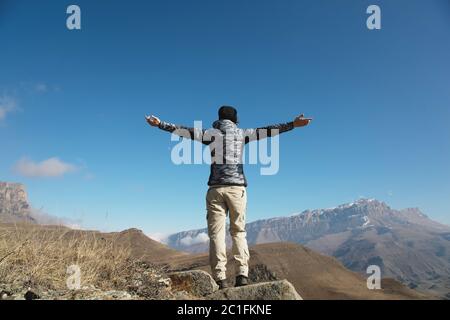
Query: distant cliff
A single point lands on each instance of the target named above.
(14, 206)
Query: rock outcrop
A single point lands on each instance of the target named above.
(200, 284)
(185, 285)
(197, 282)
(14, 206)
(274, 290)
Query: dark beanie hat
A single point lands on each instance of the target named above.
(228, 113)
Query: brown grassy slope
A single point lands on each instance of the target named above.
(315, 276)
(38, 256)
(41, 254)
(134, 240)
(142, 247)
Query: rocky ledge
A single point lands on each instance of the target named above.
(186, 285)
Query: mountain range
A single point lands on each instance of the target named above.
(323, 253)
(314, 276)
(405, 244)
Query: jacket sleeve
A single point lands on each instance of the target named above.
(267, 132)
(185, 132)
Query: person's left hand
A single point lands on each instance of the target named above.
(153, 121)
(301, 121)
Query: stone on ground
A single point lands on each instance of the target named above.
(196, 282)
(274, 290)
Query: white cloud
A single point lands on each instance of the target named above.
(7, 105)
(44, 218)
(160, 237)
(200, 238)
(52, 167)
(41, 87)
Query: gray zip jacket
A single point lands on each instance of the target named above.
(226, 142)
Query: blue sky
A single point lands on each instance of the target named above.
(380, 100)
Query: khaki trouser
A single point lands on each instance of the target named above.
(219, 201)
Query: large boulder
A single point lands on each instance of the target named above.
(274, 290)
(196, 282)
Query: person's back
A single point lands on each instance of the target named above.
(227, 184)
(226, 155)
(227, 164)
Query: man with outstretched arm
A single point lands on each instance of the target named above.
(227, 184)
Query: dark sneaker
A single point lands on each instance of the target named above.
(222, 284)
(241, 281)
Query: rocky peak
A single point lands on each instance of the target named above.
(357, 212)
(14, 206)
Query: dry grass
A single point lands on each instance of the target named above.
(36, 256)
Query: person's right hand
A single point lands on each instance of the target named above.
(301, 121)
(153, 121)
